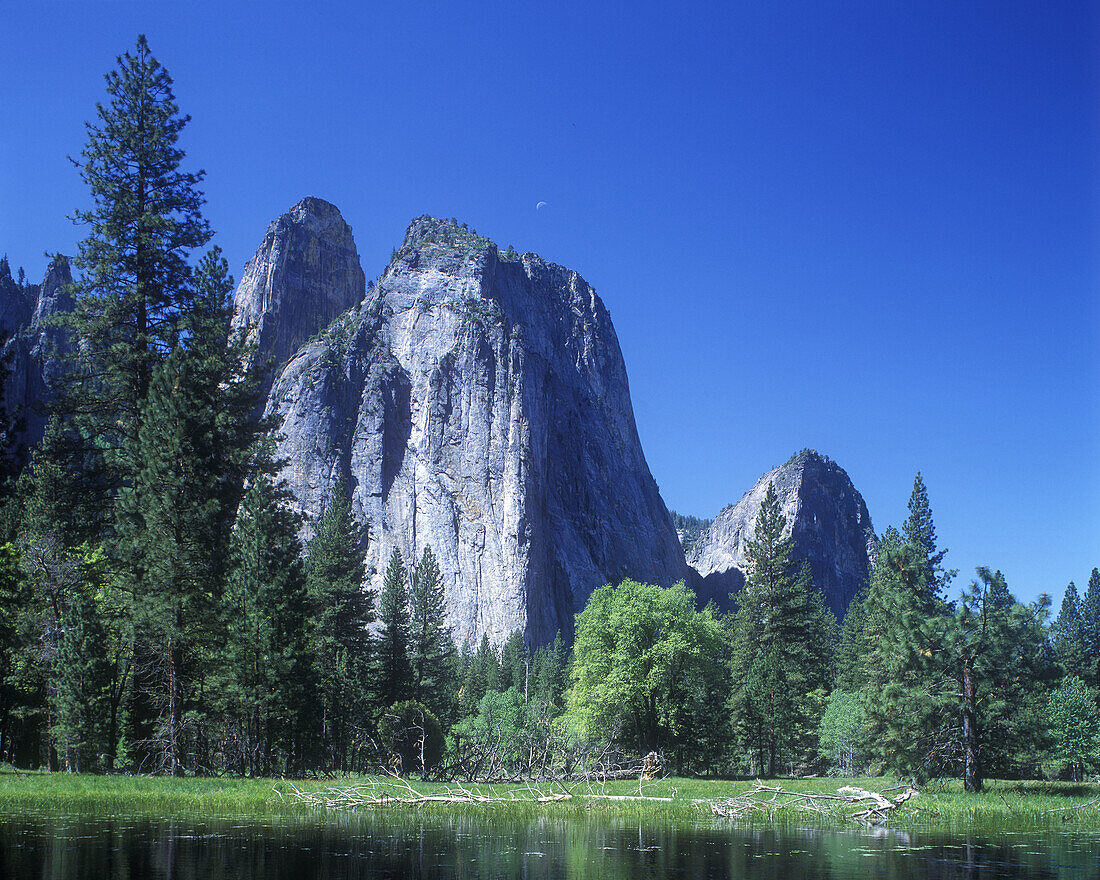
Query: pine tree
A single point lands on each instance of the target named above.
(909, 726)
(134, 447)
(395, 674)
(271, 685)
(343, 613)
(979, 647)
(920, 532)
(145, 220)
(513, 663)
(197, 440)
(81, 676)
(431, 647)
(1069, 635)
(548, 672)
(852, 646)
(782, 648)
(1090, 620)
(482, 675)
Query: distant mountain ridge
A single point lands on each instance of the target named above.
(475, 401)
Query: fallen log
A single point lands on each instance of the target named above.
(848, 804)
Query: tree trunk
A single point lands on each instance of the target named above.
(972, 779)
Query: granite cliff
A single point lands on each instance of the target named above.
(476, 402)
(305, 273)
(30, 344)
(826, 518)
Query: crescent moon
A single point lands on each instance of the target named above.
(539, 205)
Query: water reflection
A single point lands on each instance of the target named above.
(409, 845)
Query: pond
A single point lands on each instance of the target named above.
(391, 844)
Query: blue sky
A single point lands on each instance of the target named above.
(869, 228)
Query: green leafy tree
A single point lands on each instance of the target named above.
(783, 638)
(395, 673)
(15, 598)
(1073, 718)
(641, 656)
(343, 612)
(842, 733)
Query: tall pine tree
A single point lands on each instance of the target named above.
(145, 220)
(271, 680)
(1069, 635)
(1090, 617)
(343, 611)
(783, 639)
(907, 692)
(431, 646)
(395, 673)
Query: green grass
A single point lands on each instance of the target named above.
(1003, 806)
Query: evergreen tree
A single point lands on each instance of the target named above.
(343, 612)
(783, 638)
(514, 664)
(910, 729)
(1069, 635)
(548, 672)
(197, 439)
(270, 691)
(431, 647)
(979, 647)
(81, 675)
(920, 532)
(1090, 624)
(395, 674)
(1013, 733)
(852, 647)
(480, 676)
(145, 220)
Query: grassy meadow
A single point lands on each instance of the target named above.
(940, 805)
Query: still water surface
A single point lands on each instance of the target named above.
(373, 845)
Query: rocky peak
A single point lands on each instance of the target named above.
(826, 518)
(305, 273)
(55, 293)
(477, 402)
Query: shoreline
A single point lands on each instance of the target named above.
(940, 805)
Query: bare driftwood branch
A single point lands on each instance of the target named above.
(1083, 806)
(849, 803)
